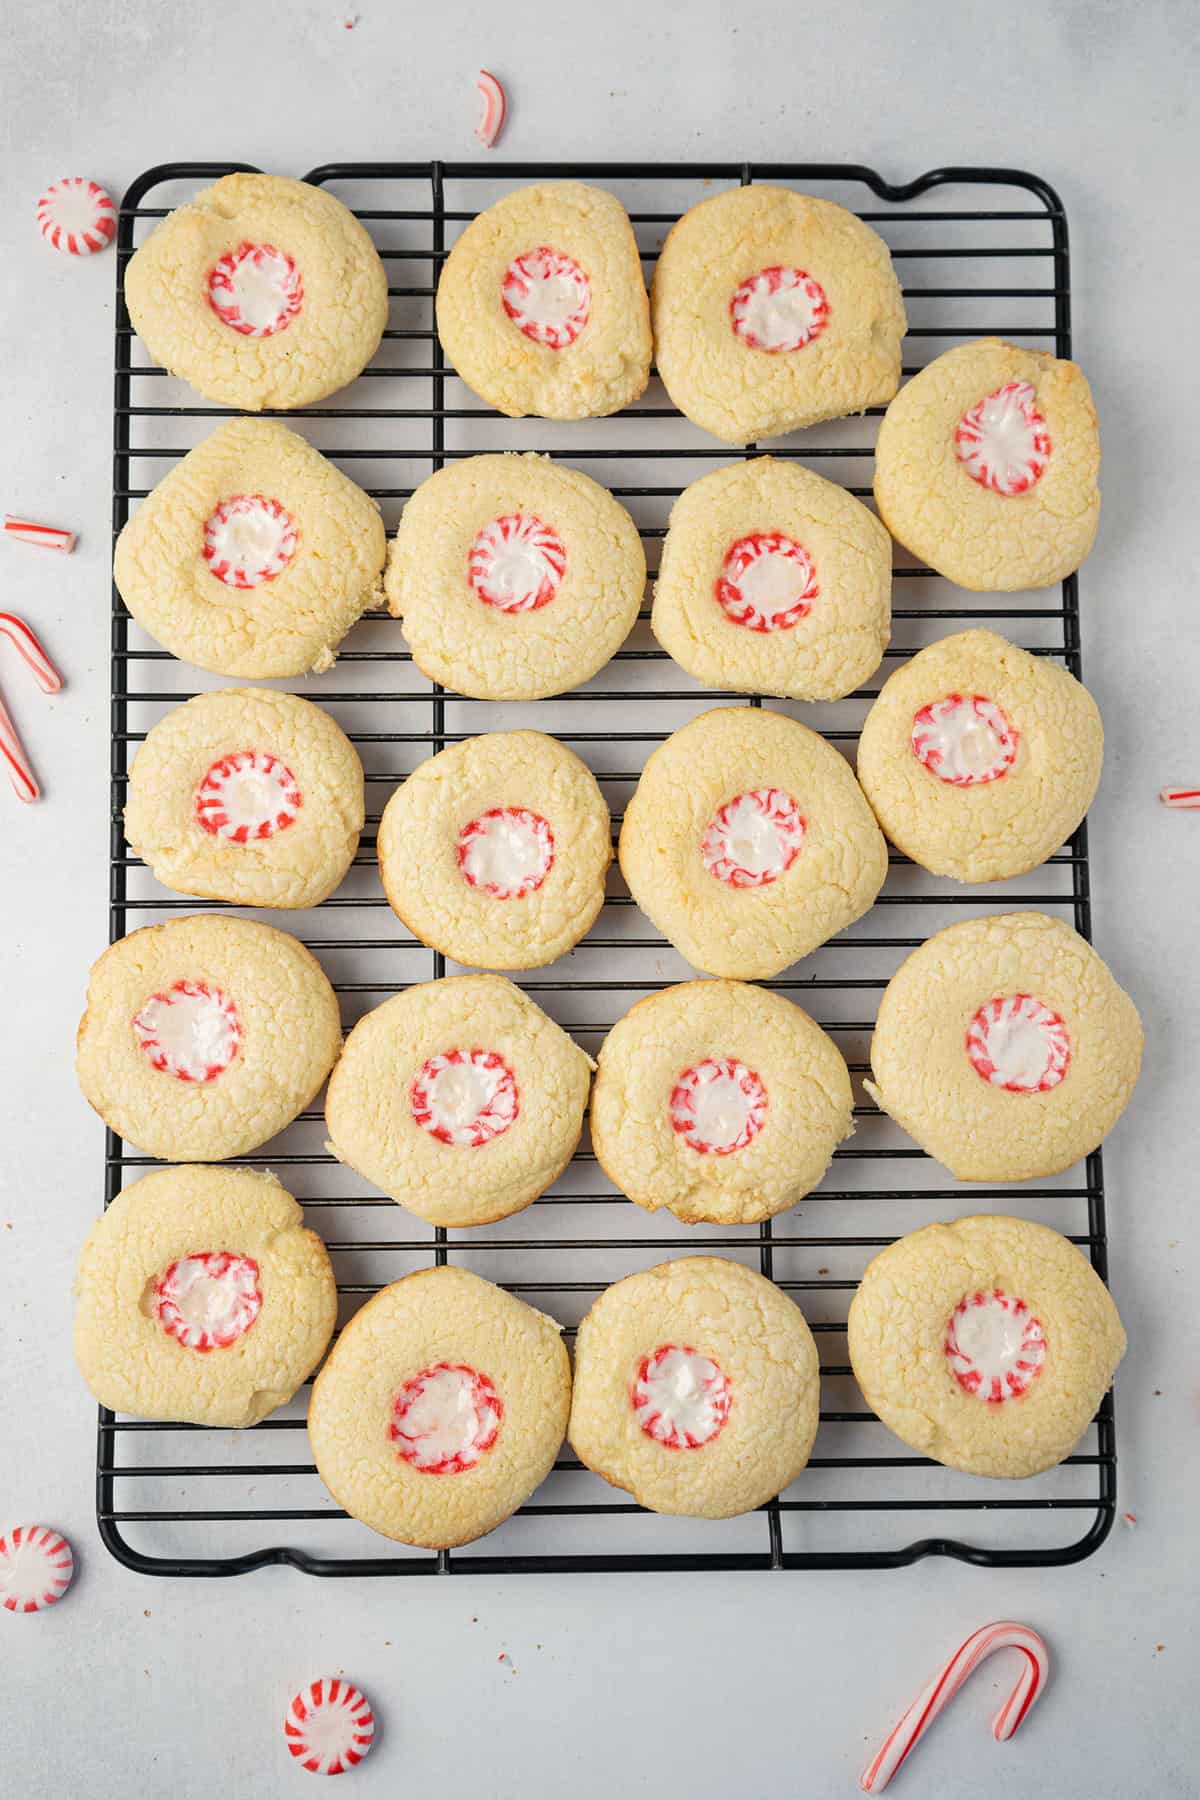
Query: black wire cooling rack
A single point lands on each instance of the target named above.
(979, 251)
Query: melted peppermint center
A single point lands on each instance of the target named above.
(256, 290)
(547, 296)
(754, 838)
(965, 739)
(446, 1419)
(994, 1345)
(209, 1300)
(249, 539)
(1002, 441)
(767, 582)
(191, 1032)
(507, 852)
(465, 1097)
(681, 1399)
(1017, 1043)
(718, 1106)
(247, 797)
(779, 310)
(517, 563)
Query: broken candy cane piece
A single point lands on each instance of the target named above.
(1181, 798)
(50, 537)
(491, 119)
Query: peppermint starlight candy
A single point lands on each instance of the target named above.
(36, 1566)
(329, 1726)
(77, 216)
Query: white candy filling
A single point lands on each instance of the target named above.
(681, 1398)
(964, 739)
(995, 1346)
(446, 1419)
(192, 1032)
(507, 852)
(779, 309)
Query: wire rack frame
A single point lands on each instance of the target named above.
(1033, 236)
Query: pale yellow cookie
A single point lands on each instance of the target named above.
(247, 795)
(459, 1098)
(205, 1036)
(773, 310)
(542, 308)
(261, 291)
(986, 1344)
(720, 1101)
(774, 581)
(748, 843)
(986, 467)
(1005, 1047)
(495, 851)
(515, 578)
(979, 760)
(254, 556)
(202, 1298)
(696, 1388)
(441, 1408)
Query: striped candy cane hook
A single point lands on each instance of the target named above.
(1004, 1635)
(12, 752)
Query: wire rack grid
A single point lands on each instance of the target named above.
(979, 252)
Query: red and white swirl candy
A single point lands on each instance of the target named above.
(36, 1566)
(77, 216)
(329, 1727)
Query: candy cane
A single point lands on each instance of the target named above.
(48, 679)
(19, 771)
(50, 537)
(1180, 797)
(31, 653)
(491, 119)
(1004, 1635)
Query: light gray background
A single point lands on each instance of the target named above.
(728, 1685)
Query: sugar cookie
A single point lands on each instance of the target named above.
(696, 1388)
(986, 467)
(441, 1408)
(542, 308)
(495, 850)
(202, 1298)
(748, 843)
(205, 1036)
(1005, 1047)
(773, 310)
(247, 795)
(254, 556)
(980, 760)
(720, 1101)
(260, 292)
(515, 578)
(460, 1098)
(986, 1344)
(774, 581)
